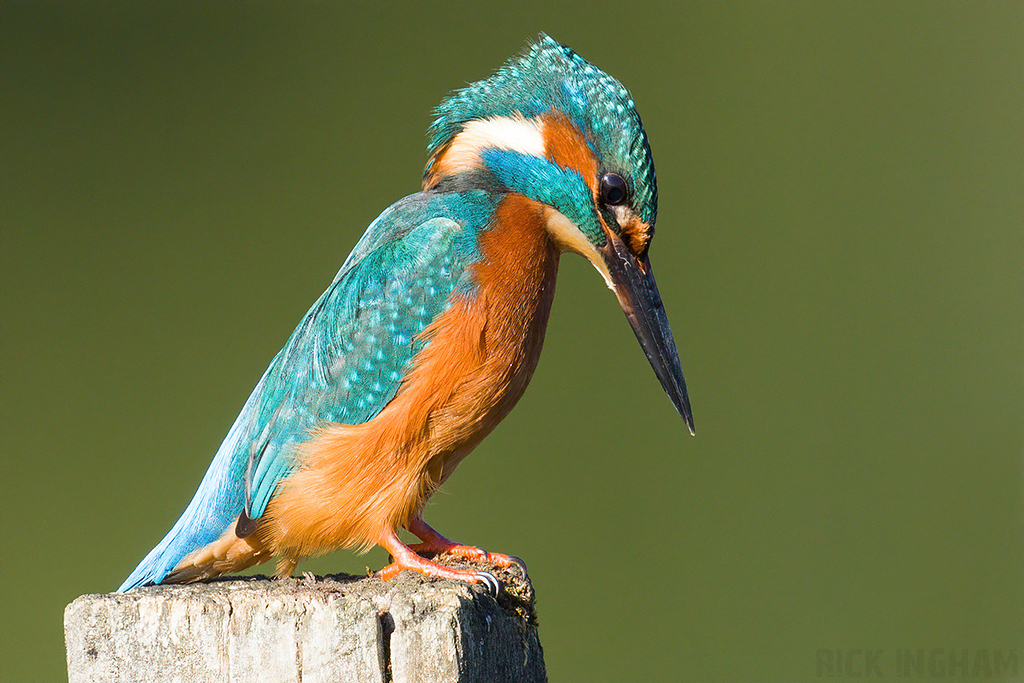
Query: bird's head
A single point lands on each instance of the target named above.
(558, 130)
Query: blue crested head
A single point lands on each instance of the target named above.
(551, 79)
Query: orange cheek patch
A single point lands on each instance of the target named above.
(566, 146)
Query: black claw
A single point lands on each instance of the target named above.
(519, 561)
(488, 580)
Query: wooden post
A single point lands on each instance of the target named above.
(338, 629)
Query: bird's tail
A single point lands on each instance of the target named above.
(208, 519)
(212, 512)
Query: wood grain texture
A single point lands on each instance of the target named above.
(334, 629)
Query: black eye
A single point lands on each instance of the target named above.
(613, 189)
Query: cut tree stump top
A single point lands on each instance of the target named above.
(338, 629)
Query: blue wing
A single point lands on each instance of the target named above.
(343, 363)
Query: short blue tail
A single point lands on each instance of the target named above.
(218, 501)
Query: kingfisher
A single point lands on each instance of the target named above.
(431, 330)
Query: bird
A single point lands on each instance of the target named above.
(431, 330)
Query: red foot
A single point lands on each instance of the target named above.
(427, 567)
(406, 557)
(467, 551)
(435, 544)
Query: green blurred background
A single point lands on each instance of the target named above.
(840, 248)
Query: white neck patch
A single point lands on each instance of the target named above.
(513, 133)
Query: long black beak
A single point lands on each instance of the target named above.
(638, 295)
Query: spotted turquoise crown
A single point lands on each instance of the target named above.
(550, 76)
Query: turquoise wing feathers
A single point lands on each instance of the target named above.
(347, 358)
(343, 363)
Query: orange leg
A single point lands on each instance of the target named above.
(435, 544)
(405, 558)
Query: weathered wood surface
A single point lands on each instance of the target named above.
(337, 629)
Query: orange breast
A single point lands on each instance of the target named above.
(358, 481)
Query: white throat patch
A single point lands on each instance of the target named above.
(568, 237)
